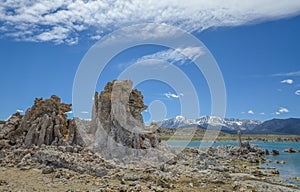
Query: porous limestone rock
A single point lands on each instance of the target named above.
(44, 123)
(10, 126)
(117, 110)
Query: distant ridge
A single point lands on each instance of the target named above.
(279, 126)
(231, 125)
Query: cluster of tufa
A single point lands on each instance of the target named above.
(116, 115)
(44, 123)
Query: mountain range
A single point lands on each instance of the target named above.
(231, 125)
(279, 126)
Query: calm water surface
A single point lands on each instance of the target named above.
(289, 170)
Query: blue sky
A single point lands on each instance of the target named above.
(257, 47)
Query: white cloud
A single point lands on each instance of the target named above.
(251, 112)
(61, 21)
(172, 95)
(262, 113)
(84, 112)
(95, 37)
(20, 110)
(69, 112)
(288, 81)
(55, 34)
(179, 55)
(283, 110)
(289, 74)
(297, 92)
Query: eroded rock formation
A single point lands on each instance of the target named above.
(44, 123)
(118, 111)
(116, 117)
(10, 128)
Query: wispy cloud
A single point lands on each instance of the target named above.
(65, 21)
(179, 56)
(172, 95)
(84, 112)
(297, 92)
(251, 112)
(262, 113)
(282, 110)
(20, 110)
(289, 74)
(287, 81)
(69, 112)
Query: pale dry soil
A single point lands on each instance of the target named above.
(14, 179)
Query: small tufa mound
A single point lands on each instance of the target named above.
(44, 123)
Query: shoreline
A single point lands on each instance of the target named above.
(280, 161)
(223, 168)
(198, 134)
(278, 139)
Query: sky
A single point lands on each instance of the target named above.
(256, 45)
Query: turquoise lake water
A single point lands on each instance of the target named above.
(289, 170)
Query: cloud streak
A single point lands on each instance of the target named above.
(282, 110)
(172, 95)
(289, 74)
(20, 110)
(179, 56)
(297, 92)
(287, 81)
(61, 21)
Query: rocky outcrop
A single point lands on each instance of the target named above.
(44, 123)
(275, 152)
(290, 150)
(117, 110)
(116, 118)
(11, 126)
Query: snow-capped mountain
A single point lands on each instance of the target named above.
(227, 124)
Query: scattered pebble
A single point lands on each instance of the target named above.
(47, 170)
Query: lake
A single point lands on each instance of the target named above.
(289, 170)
